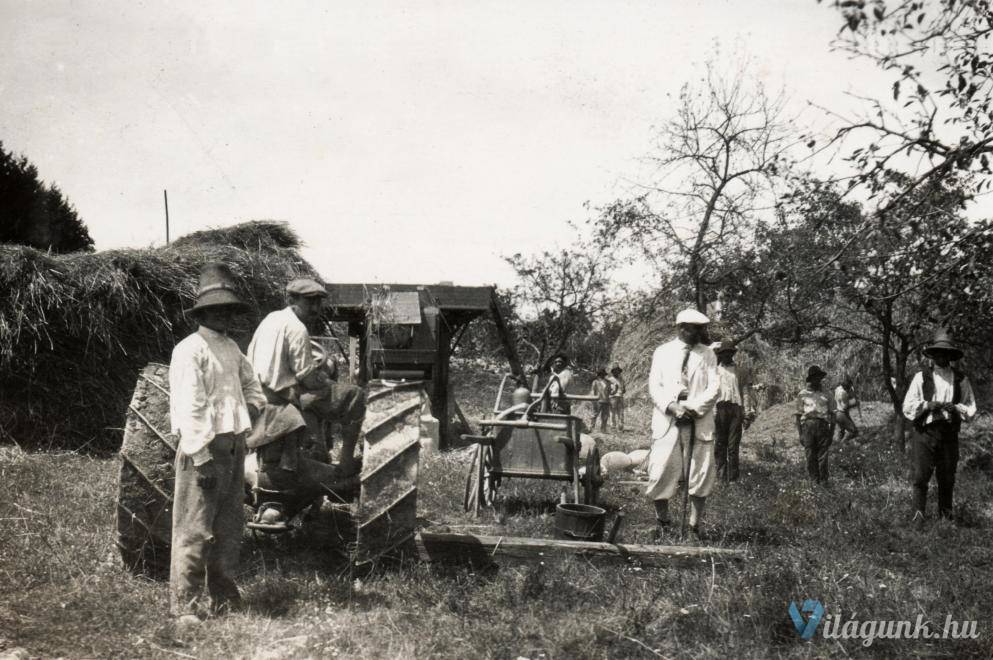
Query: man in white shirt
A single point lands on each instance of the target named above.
(733, 412)
(214, 398)
(845, 399)
(281, 356)
(684, 385)
(938, 400)
(558, 386)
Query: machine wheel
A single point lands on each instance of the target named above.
(387, 509)
(148, 454)
(593, 477)
(480, 485)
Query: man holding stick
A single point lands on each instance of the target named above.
(684, 384)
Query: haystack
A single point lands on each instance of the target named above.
(76, 329)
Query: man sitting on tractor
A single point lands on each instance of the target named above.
(286, 463)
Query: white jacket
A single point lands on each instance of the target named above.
(665, 384)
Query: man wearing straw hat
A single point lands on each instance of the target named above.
(214, 399)
(683, 384)
(938, 400)
(280, 353)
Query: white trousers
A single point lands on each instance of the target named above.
(665, 465)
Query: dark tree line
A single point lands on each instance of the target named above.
(35, 213)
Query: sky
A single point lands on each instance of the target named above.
(404, 142)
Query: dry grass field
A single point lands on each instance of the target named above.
(64, 593)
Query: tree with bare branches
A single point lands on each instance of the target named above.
(713, 168)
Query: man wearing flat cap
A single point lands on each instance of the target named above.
(683, 383)
(938, 400)
(214, 399)
(280, 353)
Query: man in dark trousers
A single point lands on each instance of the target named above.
(733, 413)
(815, 410)
(938, 400)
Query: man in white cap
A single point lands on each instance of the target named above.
(938, 400)
(214, 398)
(684, 384)
(281, 356)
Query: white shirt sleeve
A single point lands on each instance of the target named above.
(301, 361)
(913, 402)
(250, 385)
(189, 408)
(967, 406)
(661, 395)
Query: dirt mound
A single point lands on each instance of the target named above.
(76, 329)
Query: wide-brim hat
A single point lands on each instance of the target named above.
(724, 347)
(217, 289)
(815, 373)
(554, 356)
(943, 342)
(691, 317)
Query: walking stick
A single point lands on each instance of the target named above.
(686, 476)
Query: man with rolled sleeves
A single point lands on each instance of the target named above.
(733, 412)
(214, 399)
(938, 400)
(683, 384)
(281, 356)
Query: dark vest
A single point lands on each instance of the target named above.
(927, 388)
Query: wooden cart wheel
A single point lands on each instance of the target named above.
(490, 483)
(480, 485)
(593, 478)
(473, 483)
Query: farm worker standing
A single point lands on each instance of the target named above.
(617, 391)
(601, 407)
(214, 399)
(683, 384)
(938, 400)
(814, 415)
(280, 353)
(559, 364)
(733, 412)
(844, 397)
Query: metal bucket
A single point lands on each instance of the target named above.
(579, 522)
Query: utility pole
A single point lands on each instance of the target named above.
(165, 196)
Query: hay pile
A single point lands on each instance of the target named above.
(76, 329)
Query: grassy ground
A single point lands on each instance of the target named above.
(64, 593)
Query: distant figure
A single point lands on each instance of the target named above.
(815, 410)
(733, 413)
(844, 397)
(601, 407)
(560, 378)
(938, 400)
(617, 391)
(683, 384)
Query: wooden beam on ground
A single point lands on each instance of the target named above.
(480, 550)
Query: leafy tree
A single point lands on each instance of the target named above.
(940, 123)
(714, 164)
(35, 214)
(891, 288)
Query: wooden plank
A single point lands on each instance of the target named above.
(481, 550)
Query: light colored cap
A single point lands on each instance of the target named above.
(691, 317)
(306, 287)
